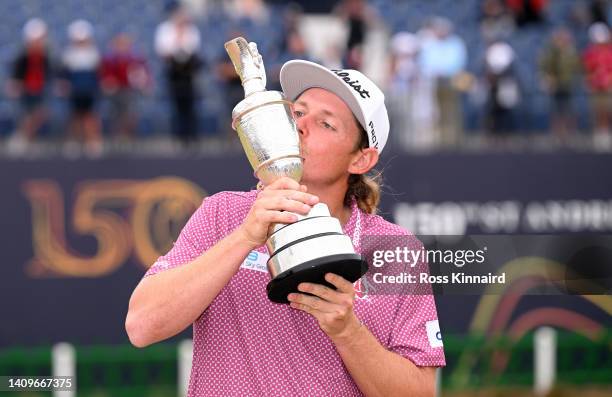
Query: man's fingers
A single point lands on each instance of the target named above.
(321, 291)
(302, 196)
(313, 302)
(342, 284)
(296, 195)
(284, 183)
(279, 217)
(288, 200)
(302, 307)
(279, 203)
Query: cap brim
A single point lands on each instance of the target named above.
(298, 75)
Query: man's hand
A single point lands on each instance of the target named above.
(376, 370)
(333, 309)
(276, 203)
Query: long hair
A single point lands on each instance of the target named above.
(365, 188)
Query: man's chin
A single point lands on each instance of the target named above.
(305, 178)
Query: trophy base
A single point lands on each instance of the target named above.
(349, 266)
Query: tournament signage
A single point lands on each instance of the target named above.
(79, 235)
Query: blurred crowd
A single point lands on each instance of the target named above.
(426, 77)
(81, 75)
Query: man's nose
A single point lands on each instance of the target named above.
(302, 126)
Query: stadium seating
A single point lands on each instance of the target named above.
(140, 18)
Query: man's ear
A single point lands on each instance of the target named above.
(363, 161)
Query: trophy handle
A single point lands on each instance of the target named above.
(248, 64)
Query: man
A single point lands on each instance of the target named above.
(326, 342)
(177, 42)
(81, 63)
(124, 76)
(443, 58)
(29, 83)
(560, 67)
(597, 61)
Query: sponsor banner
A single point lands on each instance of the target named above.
(79, 234)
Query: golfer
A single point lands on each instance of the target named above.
(327, 342)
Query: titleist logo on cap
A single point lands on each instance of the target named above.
(353, 84)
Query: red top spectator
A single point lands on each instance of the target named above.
(122, 68)
(597, 59)
(527, 11)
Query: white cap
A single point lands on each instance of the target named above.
(499, 56)
(404, 43)
(363, 97)
(80, 30)
(599, 33)
(34, 29)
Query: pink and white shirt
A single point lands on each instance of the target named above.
(245, 345)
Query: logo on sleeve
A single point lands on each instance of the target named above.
(362, 289)
(433, 333)
(256, 261)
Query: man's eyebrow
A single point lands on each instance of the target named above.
(324, 111)
(328, 113)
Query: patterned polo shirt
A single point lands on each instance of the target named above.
(245, 345)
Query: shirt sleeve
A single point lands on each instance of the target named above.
(415, 333)
(199, 234)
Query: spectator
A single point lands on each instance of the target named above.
(601, 11)
(295, 49)
(584, 14)
(559, 67)
(81, 68)
(250, 11)
(597, 61)
(359, 16)
(503, 90)
(124, 76)
(30, 80)
(410, 95)
(177, 42)
(443, 59)
(496, 22)
(527, 11)
(292, 16)
(232, 90)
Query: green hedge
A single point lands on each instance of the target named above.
(473, 363)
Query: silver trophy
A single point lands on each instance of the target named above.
(306, 250)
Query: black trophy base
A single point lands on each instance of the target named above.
(349, 266)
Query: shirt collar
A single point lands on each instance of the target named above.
(353, 226)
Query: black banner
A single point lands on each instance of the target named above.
(78, 235)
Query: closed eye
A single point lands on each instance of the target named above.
(328, 126)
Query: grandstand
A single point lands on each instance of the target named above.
(114, 16)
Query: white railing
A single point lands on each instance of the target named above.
(544, 348)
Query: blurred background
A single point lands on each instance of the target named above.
(115, 123)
